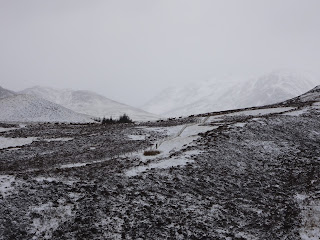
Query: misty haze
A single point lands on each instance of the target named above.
(177, 119)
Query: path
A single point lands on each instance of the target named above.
(158, 144)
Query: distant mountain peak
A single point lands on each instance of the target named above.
(273, 87)
(88, 102)
(27, 108)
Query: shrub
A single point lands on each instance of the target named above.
(125, 119)
(108, 121)
(122, 119)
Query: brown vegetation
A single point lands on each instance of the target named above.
(151, 153)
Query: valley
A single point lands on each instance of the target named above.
(240, 174)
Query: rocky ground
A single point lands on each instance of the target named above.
(247, 175)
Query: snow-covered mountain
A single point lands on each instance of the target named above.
(271, 88)
(177, 97)
(90, 103)
(4, 93)
(311, 96)
(26, 108)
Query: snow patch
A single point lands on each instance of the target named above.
(137, 137)
(52, 179)
(72, 165)
(15, 142)
(163, 164)
(48, 179)
(296, 113)
(310, 213)
(6, 184)
(217, 118)
(170, 131)
(7, 129)
(50, 217)
(259, 112)
(239, 124)
(58, 139)
(195, 130)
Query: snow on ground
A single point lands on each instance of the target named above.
(184, 137)
(312, 95)
(297, 112)
(173, 131)
(89, 103)
(260, 112)
(209, 96)
(195, 130)
(216, 118)
(48, 179)
(170, 131)
(240, 124)
(15, 142)
(175, 144)
(13, 128)
(52, 179)
(58, 139)
(5, 184)
(257, 112)
(6, 129)
(25, 108)
(316, 105)
(269, 147)
(310, 213)
(187, 134)
(137, 137)
(50, 217)
(72, 165)
(167, 163)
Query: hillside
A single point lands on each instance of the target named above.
(26, 108)
(89, 103)
(178, 97)
(311, 96)
(271, 88)
(4, 93)
(240, 174)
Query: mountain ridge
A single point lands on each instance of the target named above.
(270, 88)
(4, 93)
(27, 108)
(90, 103)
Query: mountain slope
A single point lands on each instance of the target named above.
(268, 89)
(177, 97)
(90, 103)
(311, 96)
(4, 93)
(26, 108)
(243, 174)
(272, 88)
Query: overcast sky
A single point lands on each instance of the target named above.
(130, 50)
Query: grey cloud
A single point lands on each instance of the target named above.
(130, 50)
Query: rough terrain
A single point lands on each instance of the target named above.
(242, 174)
